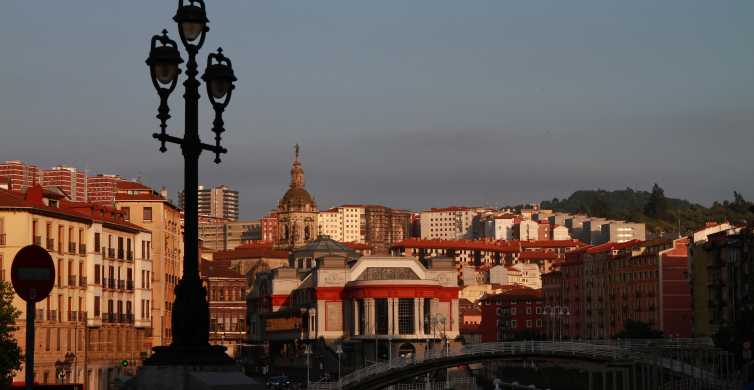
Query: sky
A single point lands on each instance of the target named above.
(410, 104)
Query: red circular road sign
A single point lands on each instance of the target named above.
(32, 273)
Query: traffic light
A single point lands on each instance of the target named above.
(124, 363)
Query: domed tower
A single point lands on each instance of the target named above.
(297, 211)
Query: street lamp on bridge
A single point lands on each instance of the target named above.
(190, 316)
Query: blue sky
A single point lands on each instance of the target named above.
(406, 103)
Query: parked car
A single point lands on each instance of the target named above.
(278, 382)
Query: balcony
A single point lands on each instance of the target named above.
(2, 239)
(110, 283)
(40, 315)
(72, 316)
(121, 285)
(72, 280)
(38, 240)
(111, 253)
(50, 244)
(72, 247)
(109, 317)
(82, 281)
(52, 315)
(82, 249)
(120, 254)
(82, 316)
(129, 284)
(129, 255)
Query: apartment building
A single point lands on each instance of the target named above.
(97, 313)
(603, 286)
(145, 207)
(450, 223)
(218, 202)
(345, 223)
(70, 180)
(20, 176)
(226, 235)
(102, 188)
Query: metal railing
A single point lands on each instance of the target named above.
(82, 249)
(82, 281)
(609, 350)
(38, 240)
(72, 280)
(2, 239)
(111, 253)
(50, 244)
(72, 247)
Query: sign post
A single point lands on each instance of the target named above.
(32, 275)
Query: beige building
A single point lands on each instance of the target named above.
(223, 236)
(344, 223)
(146, 208)
(450, 223)
(97, 313)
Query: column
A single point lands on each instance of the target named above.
(356, 330)
(389, 316)
(418, 307)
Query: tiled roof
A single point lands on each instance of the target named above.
(257, 250)
(610, 246)
(552, 244)
(537, 255)
(515, 291)
(218, 269)
(132, 185)
(497, 246)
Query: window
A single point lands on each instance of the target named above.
(513, 311)
(96, 242)
(96, 306)
(528, 323)
(539, 323)
(513, 324)
(147, 214)
(96, 273)
(406, 315)
(528, 310)
(381, 315)
(539, 310)
(362, 316)
(126, 213)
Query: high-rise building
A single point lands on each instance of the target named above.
(145, 207)
(102, 188)
(216, 202)
(450, 223)
(222, 236)
(20, 176)
(70, 180)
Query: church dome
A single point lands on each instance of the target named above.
(296, 198)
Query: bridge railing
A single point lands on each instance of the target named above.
(630, 350)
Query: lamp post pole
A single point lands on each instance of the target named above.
(339, 351)
(307, 352)
(190, 316)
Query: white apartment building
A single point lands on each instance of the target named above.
(500, 227)
(520, 273)
(527, 230)
(345, 223)
(560, 233)
(451, 223)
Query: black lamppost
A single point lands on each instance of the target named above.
(190, 317)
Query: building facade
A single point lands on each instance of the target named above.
(145, 207)
(70, 180)
(603, 286)
(514, 313)
(226, 295)
(450, 223)
(217, 202)
(20, 176)
(225, 235)
(102, 188)
(97, 314)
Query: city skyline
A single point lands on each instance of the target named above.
(507, 102)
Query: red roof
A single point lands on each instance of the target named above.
(552, 244)
(218, 269)
(255, 250)
(357, 246)
(537, 255)
(517, 291)
(451, 208)
(495, 246)
(611, 246)
(132, 185)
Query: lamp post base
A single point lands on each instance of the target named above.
(208, 355)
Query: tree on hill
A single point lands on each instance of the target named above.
(10, 353)
(657, 205)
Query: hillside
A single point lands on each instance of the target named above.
(661, 214)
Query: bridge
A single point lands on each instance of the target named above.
(633, 364)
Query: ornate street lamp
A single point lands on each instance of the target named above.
(190, 317)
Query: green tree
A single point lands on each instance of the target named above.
(638, 330)
(10, 353)
(657, 205)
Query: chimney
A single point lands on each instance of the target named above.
(164, 192)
